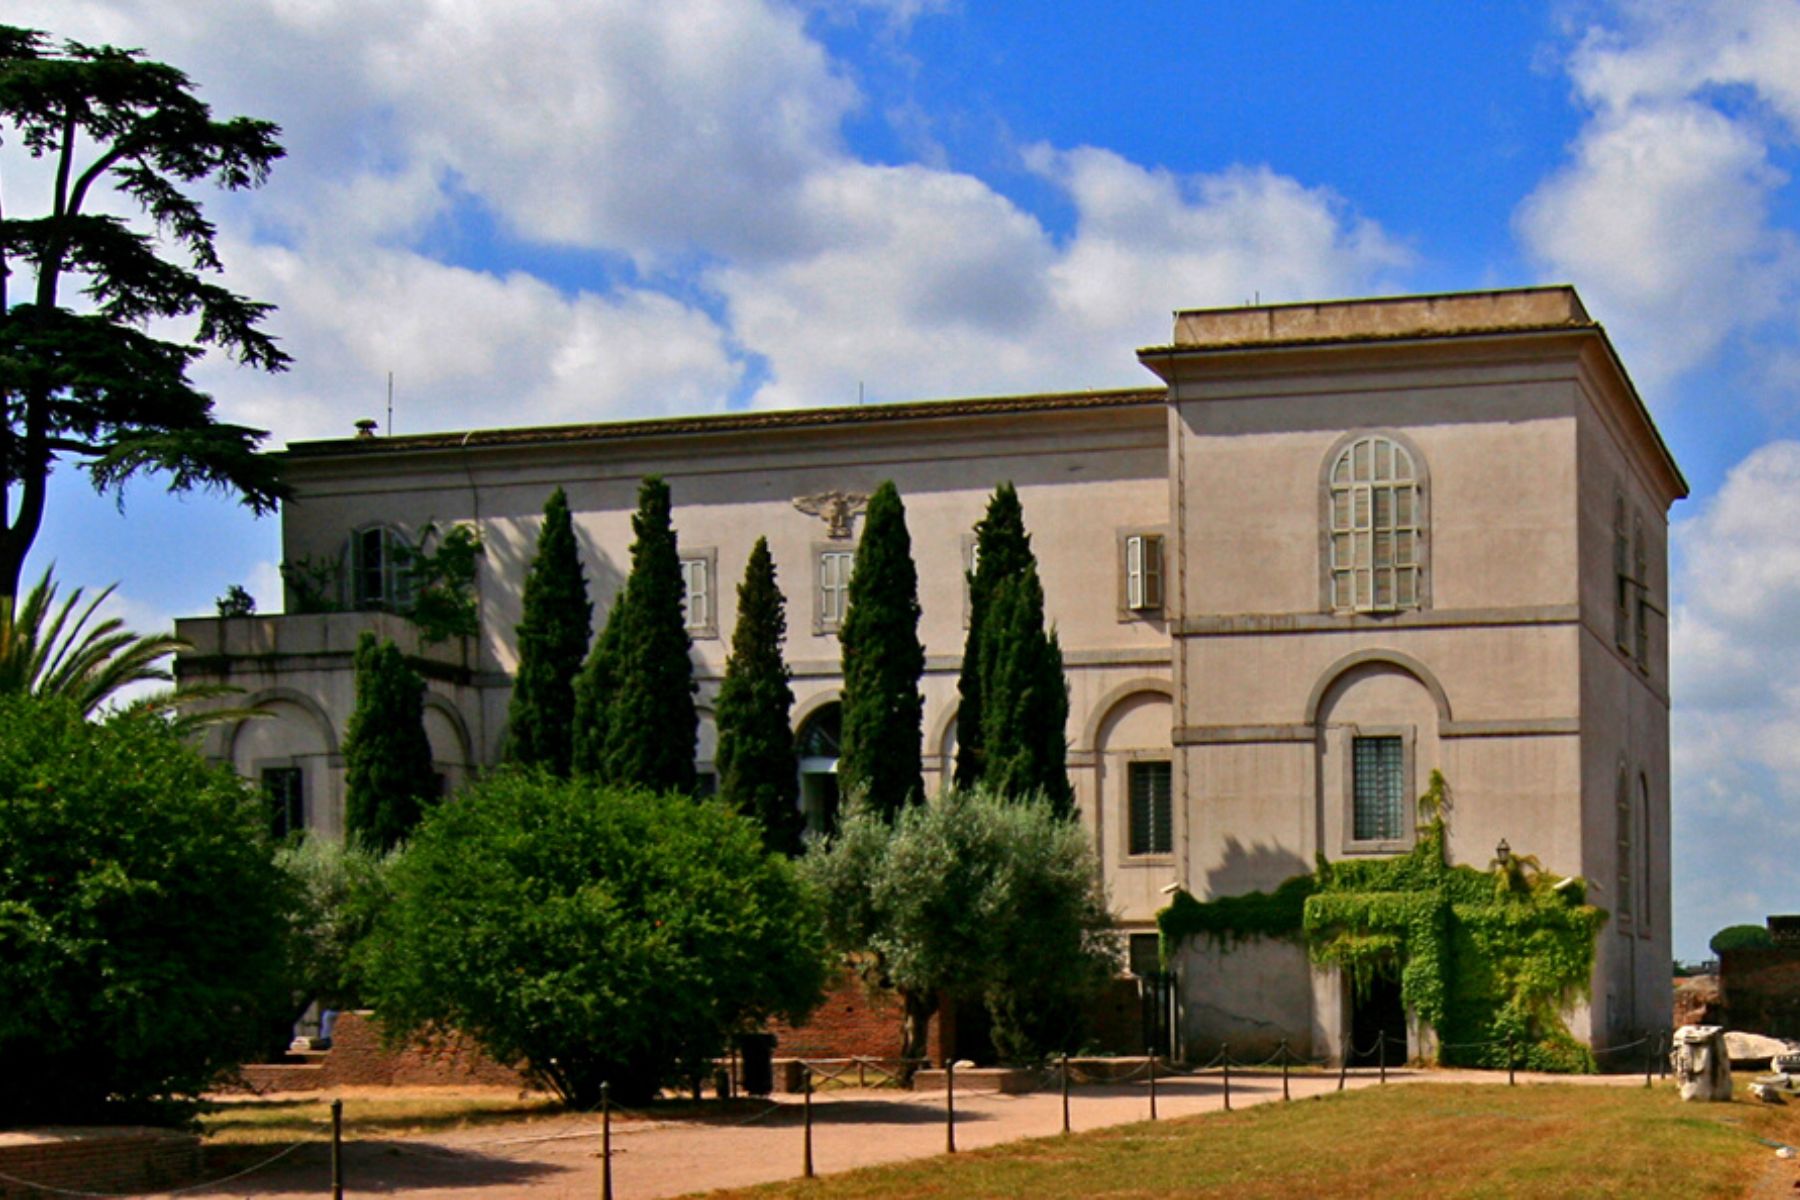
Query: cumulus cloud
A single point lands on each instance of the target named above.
(734, 250)
(1735, 668)
(1662, 213)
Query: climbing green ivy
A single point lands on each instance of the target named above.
(1489, 959)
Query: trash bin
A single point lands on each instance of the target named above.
(756, 1054)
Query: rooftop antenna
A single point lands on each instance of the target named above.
(390, 423)
(859, 392)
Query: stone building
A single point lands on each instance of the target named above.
(1338, 546)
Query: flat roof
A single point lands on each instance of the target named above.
(1383, 317)
(733, 422)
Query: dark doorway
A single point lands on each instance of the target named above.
(1377, 1013)
(816, 752)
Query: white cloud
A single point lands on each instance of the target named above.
(1735, 667)
(467, 349)
(1661, 215)
(933, 284)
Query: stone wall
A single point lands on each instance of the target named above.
(117, 1159)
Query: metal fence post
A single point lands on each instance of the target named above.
(1381, 1052)
(1225, 1058)
(806, 1090)
(1344, 1061)
(949, 1106)
(1065, 1091)
(1512, 1063)
(1649, 1059)
(606, 1141)
(1284, 1070)
(337, 1150)
(1153, 1087)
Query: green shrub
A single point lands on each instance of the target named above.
(593, 934)
(142, 919)
(339, 893)
(1740, 937)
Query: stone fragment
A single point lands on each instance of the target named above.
(1701, 1064)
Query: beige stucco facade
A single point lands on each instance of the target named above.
(1502, 663)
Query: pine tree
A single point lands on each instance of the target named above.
(756, 744)
(593, 692)
(1025, 698)
(1002, 550)
(388, 775)
(553, 636)
(651, 724)
(883, 660)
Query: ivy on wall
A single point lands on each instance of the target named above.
(1489, 959)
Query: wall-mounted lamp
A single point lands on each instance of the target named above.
(1503, 852)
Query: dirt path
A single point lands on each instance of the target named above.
(853, 1128)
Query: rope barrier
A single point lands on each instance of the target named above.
(57, 1191)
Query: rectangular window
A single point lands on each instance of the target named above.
(1378, 770)
(286, 792)
(1146, 955)
(1640, 568)
(696, 597)
(1144, 572)
(834, 587)
(1622, 589)
(1152, 808)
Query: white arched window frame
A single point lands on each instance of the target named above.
(1375, 525)
(379, 560)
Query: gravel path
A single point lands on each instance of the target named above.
(560, 1157)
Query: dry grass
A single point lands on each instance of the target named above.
(368, 1112)
(1418, 1140)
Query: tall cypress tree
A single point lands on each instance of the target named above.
(883, 660)
(1002, 551)
(651, 723)
(388, 775)
(1025, 697)
(593, 693)
(756, 744)
(554, 630)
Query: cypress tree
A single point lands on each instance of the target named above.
(593, 693)
(651, 724)
(883, 660)
(388, 775)
(1002, 550)
(1025, 698)
(554, 630)
(756, 744)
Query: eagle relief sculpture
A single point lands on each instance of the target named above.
(838, 508)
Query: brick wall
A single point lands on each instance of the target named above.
(122, 1159)
(358, 1057)
(1761, 990)
(853, 1024)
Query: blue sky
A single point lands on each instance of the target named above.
(551, 210)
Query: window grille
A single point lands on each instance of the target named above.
(1152, 808)
(1378, 769)
(1375, 528)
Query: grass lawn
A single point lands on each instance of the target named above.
(238, 1122)
(1412, 1140)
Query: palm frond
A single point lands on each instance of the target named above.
(52, 650)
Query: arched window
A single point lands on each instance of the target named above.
(379, 578)
(1376, 515)
(1627, 852)
(816, 751)
(1644, 844)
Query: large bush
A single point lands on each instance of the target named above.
(142, 920)
(339, 892)
(594, 934)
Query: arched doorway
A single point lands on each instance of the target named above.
(816, 749)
